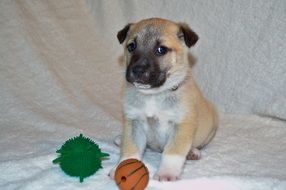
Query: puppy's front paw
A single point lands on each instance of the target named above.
(162, 175)
(170, 168)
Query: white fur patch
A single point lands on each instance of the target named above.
(170, 168)
(151, 108)
(157, 108)
(173, 162)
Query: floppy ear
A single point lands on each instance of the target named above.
(188, 35)
(122, 34)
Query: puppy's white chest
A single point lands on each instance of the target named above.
(160, 110)
(159, 123)
(151, 109)
(153, 116)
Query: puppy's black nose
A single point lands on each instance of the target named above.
(141, 68)
(138, 70)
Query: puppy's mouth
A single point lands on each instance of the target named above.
(142, 86)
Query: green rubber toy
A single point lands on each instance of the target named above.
(80, 157)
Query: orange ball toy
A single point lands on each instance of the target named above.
(131, 174)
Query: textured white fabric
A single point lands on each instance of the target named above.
(246, 154)
(59, 76)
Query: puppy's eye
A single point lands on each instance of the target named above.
(162, 50)
(131, 47)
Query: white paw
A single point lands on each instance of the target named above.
(170, 168)
(162, 175)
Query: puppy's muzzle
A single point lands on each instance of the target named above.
(144, 73)
(139, 72)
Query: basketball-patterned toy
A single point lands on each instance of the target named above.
(131, 174)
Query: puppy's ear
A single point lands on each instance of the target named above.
(122, 34)
(187, 34)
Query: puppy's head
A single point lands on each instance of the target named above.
(155, 52)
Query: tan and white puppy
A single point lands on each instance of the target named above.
(163, 107)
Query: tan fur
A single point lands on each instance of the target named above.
(195, 118)
(128, 149)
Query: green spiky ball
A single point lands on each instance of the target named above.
(80, 157)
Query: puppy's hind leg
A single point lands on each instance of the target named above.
(117, 140)
(194, 154)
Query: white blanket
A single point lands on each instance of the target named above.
(247, 153)
(59, 77)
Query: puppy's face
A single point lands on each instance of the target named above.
(156, 53)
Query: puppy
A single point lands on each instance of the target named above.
(163, 106)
